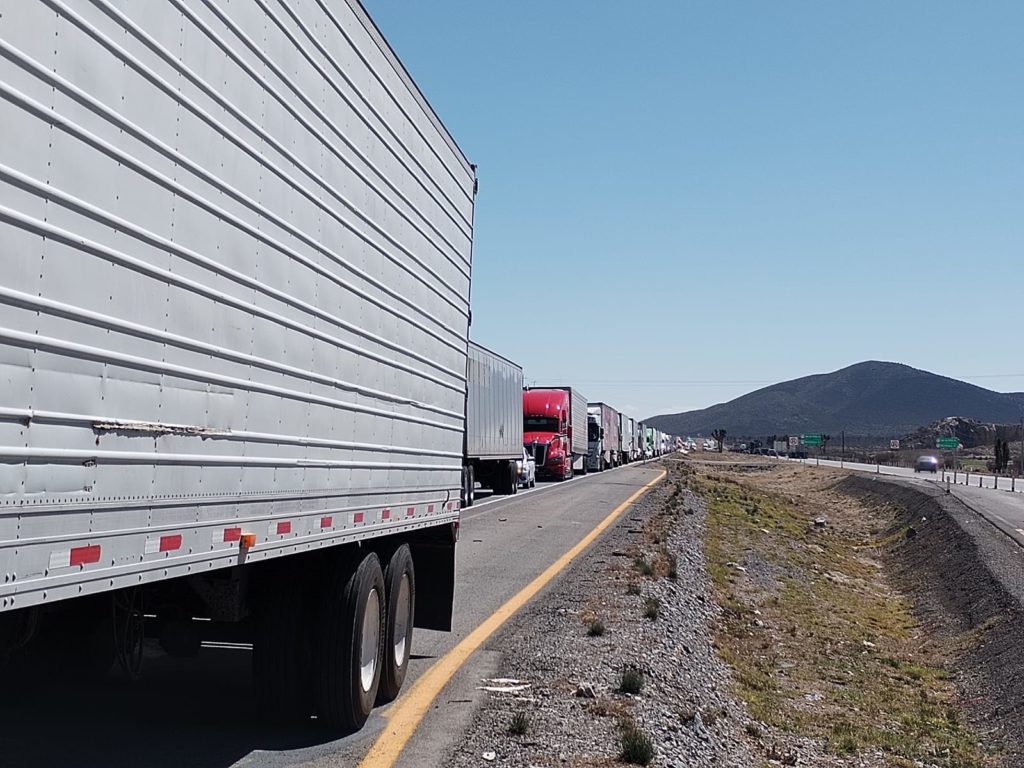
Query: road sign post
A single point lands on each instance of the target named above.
(949, 444)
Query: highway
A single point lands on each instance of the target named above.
(973, 479)
(200, 712)
(1002, 508)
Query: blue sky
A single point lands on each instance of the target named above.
(681, 201)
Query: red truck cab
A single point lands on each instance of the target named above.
(547, 431)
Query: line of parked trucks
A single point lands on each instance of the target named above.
(554, 427)
(237, 394)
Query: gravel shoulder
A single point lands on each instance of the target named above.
(640, 601)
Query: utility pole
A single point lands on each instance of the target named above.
(842, 453)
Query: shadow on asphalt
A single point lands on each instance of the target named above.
(198, 713)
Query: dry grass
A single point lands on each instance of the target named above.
(818, 642)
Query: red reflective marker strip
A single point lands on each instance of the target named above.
(409, 512)
(170, 543)
(285, 527)
(385, 514)
(232, 534)
(326, 522)
(84, 555)
(430, 509)
(357, 517)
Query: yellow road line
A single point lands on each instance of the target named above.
(406, 713)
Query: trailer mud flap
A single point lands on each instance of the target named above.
(433, 557)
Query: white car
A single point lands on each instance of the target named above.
(526, 467)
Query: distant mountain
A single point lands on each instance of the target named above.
(871, 399)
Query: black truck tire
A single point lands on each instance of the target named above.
(400, 589)
(350, 631)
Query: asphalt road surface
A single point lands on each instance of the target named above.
(986, 495)
(200, 712)
(973, 480)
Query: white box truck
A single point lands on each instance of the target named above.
(234, 312)
(494, 424)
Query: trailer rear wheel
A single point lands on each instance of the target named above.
(470, 477)
(349, 633)
(400, 586)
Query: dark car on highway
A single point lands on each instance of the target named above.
(926, 464)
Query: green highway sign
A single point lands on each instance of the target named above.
(813, 438)
(947, 443)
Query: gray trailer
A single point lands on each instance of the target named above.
(603, 437)
(234, 312)
(579, 443)
(494, 423)
(627, 430)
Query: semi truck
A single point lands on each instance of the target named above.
(234, 315)
(627, 429)
(494, 424)
(555, 430)
(602, 437)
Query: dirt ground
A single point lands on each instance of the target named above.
(822, 642)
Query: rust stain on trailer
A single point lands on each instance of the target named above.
(129, 428)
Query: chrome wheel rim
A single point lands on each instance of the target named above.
(403, 603)
(371, 641)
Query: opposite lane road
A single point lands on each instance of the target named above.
(1003, 509)
(972, 480)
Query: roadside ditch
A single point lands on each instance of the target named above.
(761, 614)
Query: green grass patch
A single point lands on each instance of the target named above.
(632, 681)
(520, 724)
(637, 747)
(652, 606)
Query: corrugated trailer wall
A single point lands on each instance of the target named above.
(579, 422)
(233, 291)
(494, 406)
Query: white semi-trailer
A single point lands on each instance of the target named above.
(494, 424)
(602, 437)
(234, 312)
(627, 437)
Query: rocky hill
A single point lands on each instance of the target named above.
(871, 399)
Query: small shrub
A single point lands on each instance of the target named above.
(637, 747)
(595, 628)
(520, 724)
(651, 607)
(643, 566)
(673, 567)
(633, 588)
(753, 730)
(632, 680)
